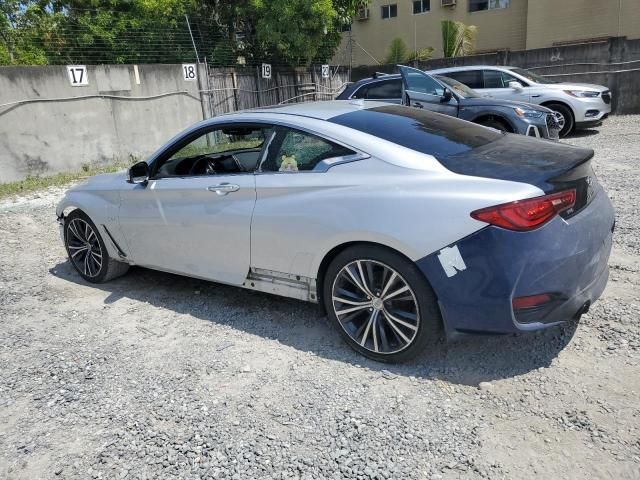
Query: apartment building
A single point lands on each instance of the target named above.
(502, 24)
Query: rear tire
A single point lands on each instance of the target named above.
(87, 251)
(381, 304)
(564, 115)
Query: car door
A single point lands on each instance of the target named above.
(423, 91)
(496, 85)
(295, 189)
(193, 217)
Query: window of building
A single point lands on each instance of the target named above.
(421, 6)
(478, 5)
(389, 11)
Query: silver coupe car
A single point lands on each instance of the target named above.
(397, 221)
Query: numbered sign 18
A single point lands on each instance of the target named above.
(266, 70)
(189, 71)
(325, 71)
(77, 75)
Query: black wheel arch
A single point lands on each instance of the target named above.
(496, 117)
(559, 102)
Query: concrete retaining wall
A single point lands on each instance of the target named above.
(49, 126)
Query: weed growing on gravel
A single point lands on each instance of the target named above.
(37, 182)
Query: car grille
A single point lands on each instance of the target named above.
(553, 127)
(606, 97)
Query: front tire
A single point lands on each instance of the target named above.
(381, 304)
(87, 251)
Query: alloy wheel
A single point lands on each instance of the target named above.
(84, 247)
(561, 120)
(375, 306)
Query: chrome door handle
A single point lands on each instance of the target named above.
(223, 188)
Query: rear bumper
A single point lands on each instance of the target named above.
(566, 258)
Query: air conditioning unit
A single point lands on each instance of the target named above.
(448, 3)
(363, 14)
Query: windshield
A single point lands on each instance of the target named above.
(534, 77)
(460, 88)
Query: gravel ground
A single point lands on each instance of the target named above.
(157, 376)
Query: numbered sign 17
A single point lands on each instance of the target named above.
(266, 70)
(77, 75)
(189, 71)
(325, 71)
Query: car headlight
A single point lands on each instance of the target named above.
(582, 93)
(526, 113)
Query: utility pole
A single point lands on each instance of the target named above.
(350, 50)
(191, 35)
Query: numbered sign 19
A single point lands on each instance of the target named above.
(325, 71)
(77, 75)
(189, 71)
(266, 70)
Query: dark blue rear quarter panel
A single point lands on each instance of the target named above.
(567, 257)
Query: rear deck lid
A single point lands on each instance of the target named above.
(470, 149)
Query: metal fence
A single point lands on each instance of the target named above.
(232, 89)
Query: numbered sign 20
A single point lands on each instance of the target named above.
(77, 75)
(189, 72)
(266, 70)
(325, 71)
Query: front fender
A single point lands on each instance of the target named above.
(102, 207)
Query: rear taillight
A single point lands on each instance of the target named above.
(523, 215)
(531, 301)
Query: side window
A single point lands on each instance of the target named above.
(493, 79)
(420, 83)
(471, 78)
(385, 90)
(296, 151)
(224, 150)
(506, 78)
(361, 92)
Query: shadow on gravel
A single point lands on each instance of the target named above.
(467, 361)
(588, 132)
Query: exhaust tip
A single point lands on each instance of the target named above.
(582, 310)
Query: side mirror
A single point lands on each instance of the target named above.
(139, 173)
(516, 85)
(446, 96)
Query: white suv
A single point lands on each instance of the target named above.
(576, 105)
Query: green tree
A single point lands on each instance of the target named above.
(293, 32)
(397, 52)
(457, 38)
(421, 55)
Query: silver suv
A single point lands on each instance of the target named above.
(576, 105)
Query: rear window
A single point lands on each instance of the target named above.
(423, 131)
